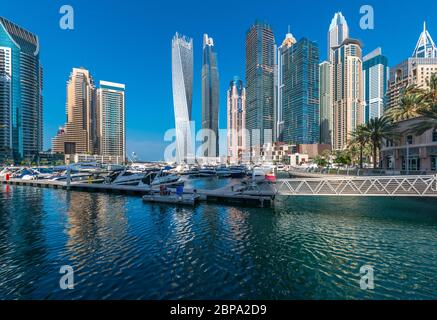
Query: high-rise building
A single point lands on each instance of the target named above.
(416, 70)
(338, 32)
(326, 119)
(21, 103)
(111, 124)
(300, 93)
(260, 69)
(236, 110)
(375, 73)
(286, 44)
(79, 135)
(210, 99)
(182, 76)
(347, 88)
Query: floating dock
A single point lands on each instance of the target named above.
(225, 195)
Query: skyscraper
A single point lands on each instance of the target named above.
(111, 124)
(210, 98)
(416, 70)
(375, 73)
(325, 103)
(300, 93)
(286, 44)
(79, 135)
(182, 75)
(338, 32)
(21, 104)
(236, 110)
(260, 69)
(347, 86)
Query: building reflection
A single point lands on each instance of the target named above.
(97, 223)
(23, 254)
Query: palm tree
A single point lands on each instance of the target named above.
(409, 105)
(361, 137)
(376, 130)
(428, 107)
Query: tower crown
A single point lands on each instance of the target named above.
(425, 47)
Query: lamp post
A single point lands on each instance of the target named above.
(408, 157)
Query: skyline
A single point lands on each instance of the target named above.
(153, 80)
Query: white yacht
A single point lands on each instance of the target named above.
(125, 177)
(162, 177)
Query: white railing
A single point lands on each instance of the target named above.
(399, 186)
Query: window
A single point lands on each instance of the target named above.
(434, 136)
(389, 143)
(409, 139)
(433, 163)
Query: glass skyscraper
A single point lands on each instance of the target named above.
(111, 120)
(260, 69)
(375, 73)
(300, 94)
(182, 76)
(325, 103)
(279, 82)
(210, 99)
(21, 104)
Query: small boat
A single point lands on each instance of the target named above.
(237, 171)
(184, 199)
(207, 172)
(223, 172)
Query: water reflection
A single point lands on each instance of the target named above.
(304, 248)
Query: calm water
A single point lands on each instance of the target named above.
(304, 248)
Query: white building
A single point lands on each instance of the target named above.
(182, 75)
(236, 111)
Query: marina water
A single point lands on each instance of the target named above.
(303, 248)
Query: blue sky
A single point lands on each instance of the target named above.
(130, 42)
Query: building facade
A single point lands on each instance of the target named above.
(300, 93)
(410, 152)
(236, 110)
(375, 73)
(280, 54)
(260, 73)
(111, 124)
(210, 99)
(182, 78)
(21, 102)
(416, 70)
(79, 135)
(347, 87)
(326, 116)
